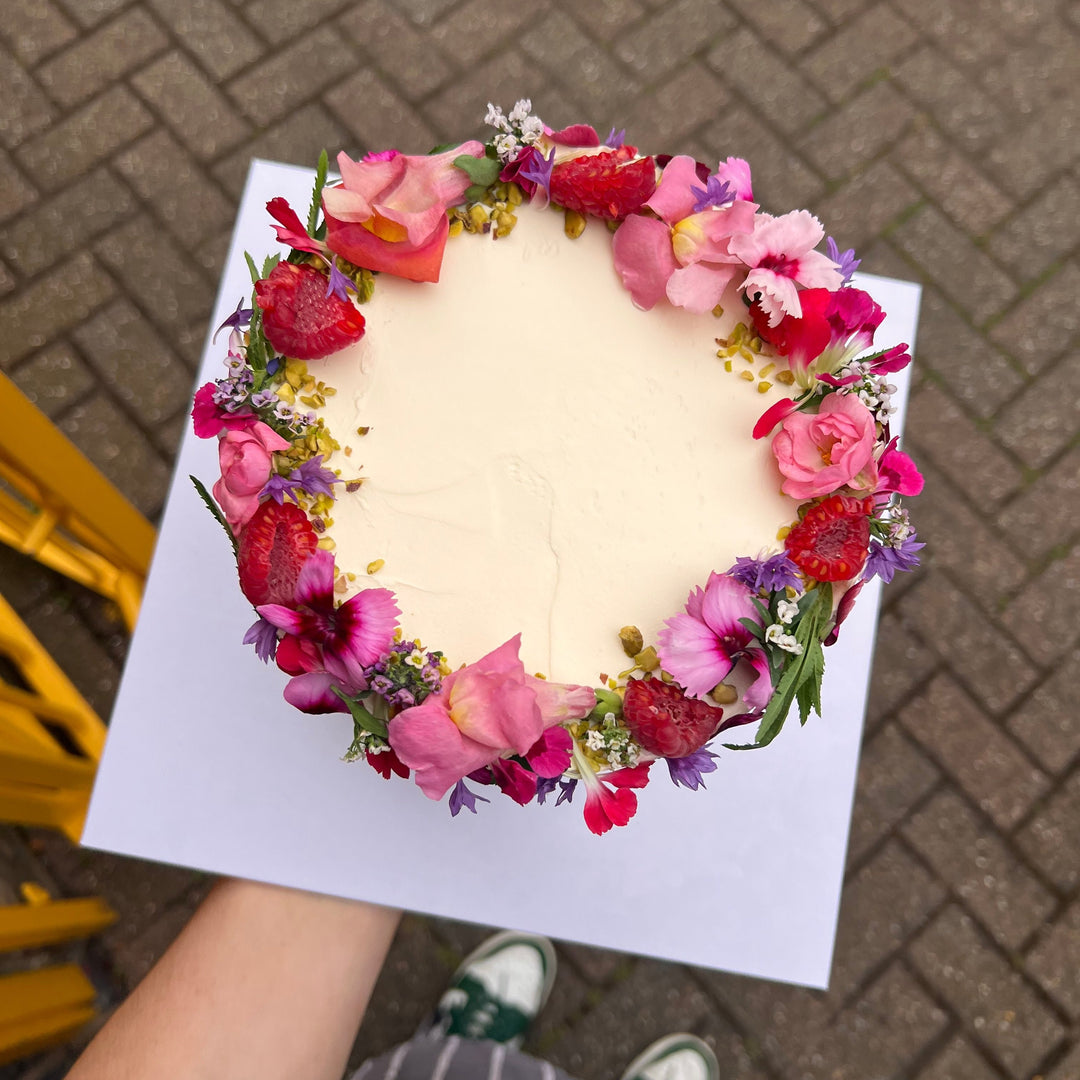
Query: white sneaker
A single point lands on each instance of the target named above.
(675, 1057)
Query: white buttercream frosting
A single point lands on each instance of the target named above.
(543, 457)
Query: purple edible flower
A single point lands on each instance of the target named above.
(844, 259)
(687, 770)
(884, 560)
(716, 192)
(240, 317)
(538, 170)
(339, 283)
(263, 635)
(615, 138)
(309, 477)
(545, 785)
(772, 574)
(461, 796)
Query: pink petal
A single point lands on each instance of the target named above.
(514, 780)
(692, 653)
(370, 619)
(760, 690)
(284, 618)
(311, 693)
(643, 258)
(561, 703)
(290, 229)
(698, 287)
(575, 135)
(898, 473)
(726, 602)
(779, 295)
(550, 755)
(498, 711)
(790, 236)
(315, 583)
(673, 200)
(637, 777)
(817, 271)
(736, 172)
(772, 416)
(268, 437)
(604, 808)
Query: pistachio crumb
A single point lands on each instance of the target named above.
(573, 223)
(632, 641)
(747, 375)
(725, 694)
(647, 659)
(785, 377)
(376, 566)
(764, 386)
(766, 371)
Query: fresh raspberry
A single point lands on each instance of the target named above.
(667, 722)
(833, 539)
(274, 545)
(608, 185)
(299, 319)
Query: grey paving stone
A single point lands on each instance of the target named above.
(191, 105)
(901, 667)
(1045, 143)
(960, 27)
(740, 1057)
(91, 12)
(687, 101)
(978, 651)
(16, 192)
(395, 47)
(119, 450)
(788, 99)
(1046, 417)
(423, 12)
(1041, 69)
(959, 1061)
(35, 28)
(788, 25)
(58, 226)
(847, 138)
(938, 427)
(662, 41)
(7, 280)
(596, 965)
(864, 206)
(51, 305)
(138, 366)
(984, 762)
(868, 44)
(838, 11)
(1055, 961)
(1043, 231)
(24, 589)
(477, 28)
(1068, 1067)
(167, 436)
(53, 378)
(570, 997)
(998, 1007)
(1044, 613)
(384, 120)
(26, 109)
(1039, 328)
(1052, 838)
(1047, 513)
(216, 36)
(280, 20)
(972, 860)
(102, 57)
(606, 18)
(78, 142)
(1047, 721)
(290, 77)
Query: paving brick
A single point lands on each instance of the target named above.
(181, 193)
(1044, 615)
(965, 274)
(596, 965)
(50, 305)
(216, 37)
(997, 1005)
(869, 44)
(979, 653)
(166, 283)
(971, 858)
(53, 378)
(983, 761)
(393, 45)
(1047, 513)
(1047, 722)
(211, 255)
(606, 18)
(901, 666)
(191, 105)
(1055, 961)
(1037, 330)
(969, 457)
(477, 27)
(281, 20)
(781, 179)
(871, 122)
(423, 12)
(290, 77)
(1045, 143)
(1043, 231)
(102, 57)
(7, 280)
(139, 368)
(1067, 1068)
(964, 194)
(661, 42)
(838, 11)
(16, 193)
(1038, 70)
(960, 27)
(570, 997)
(1052, 838)
(866, 205)
(785, 97)
(687, 101)
(1045, 418)
(76, 144)
(26, 109)
(959, 1061)
(299, 138)
(168, 436)
(882, 905)
(60, 225)
(91, 12)
(789, 25)
(384, 120)
(740, 1058)
(35, 28)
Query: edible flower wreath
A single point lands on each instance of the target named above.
(748, 645)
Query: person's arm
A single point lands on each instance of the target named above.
(264, 982)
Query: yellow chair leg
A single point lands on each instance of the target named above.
(39, 1009)
(32, 926)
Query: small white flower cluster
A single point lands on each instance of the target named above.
(518, 129)
(899, 524)
(614, 742)
(417, 659)
(874, 391)
(364, 742)
(786, 610)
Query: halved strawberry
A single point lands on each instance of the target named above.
(608, 185)
(667, 722)
(299, 319)
(274, 545)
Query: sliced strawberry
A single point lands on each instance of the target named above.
(667, 722)
(299, 319)
(608, 185)
(274, 545)
(832, 541)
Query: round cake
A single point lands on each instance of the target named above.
(548, 460)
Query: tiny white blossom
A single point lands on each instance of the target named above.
(532, 127)
(595, 740)
(506, 146)
(520, 111)
(786, 610)
(775, 636)
(495, 118)
(415, 659)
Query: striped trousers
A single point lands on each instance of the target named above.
(425, 1057)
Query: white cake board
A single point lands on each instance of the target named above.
(207, 767)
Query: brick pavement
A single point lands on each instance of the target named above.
(941, 139)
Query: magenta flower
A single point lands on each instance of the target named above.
(779, 253)
(350, 637)
(897, 473)
(607, 806)
(701, 646)
(290, 229)
(209, 419)
(483, 712)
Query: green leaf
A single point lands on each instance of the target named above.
(253, 270)
(755, 628)
(483, 172)
(368, 721)
(316, 195)
(269, 263)
(214, 509)
(607, 701)
(442, 148)
(475, 193)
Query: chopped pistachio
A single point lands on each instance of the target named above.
(647, 659)
(785, 377)
(375, 566)
(632, 641)
(747, 375)
(574, 223)
(764, 386)
(725, 694)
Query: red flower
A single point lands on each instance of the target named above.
(386, 763)
(608, 185)
(833, 539)
(605, 807)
